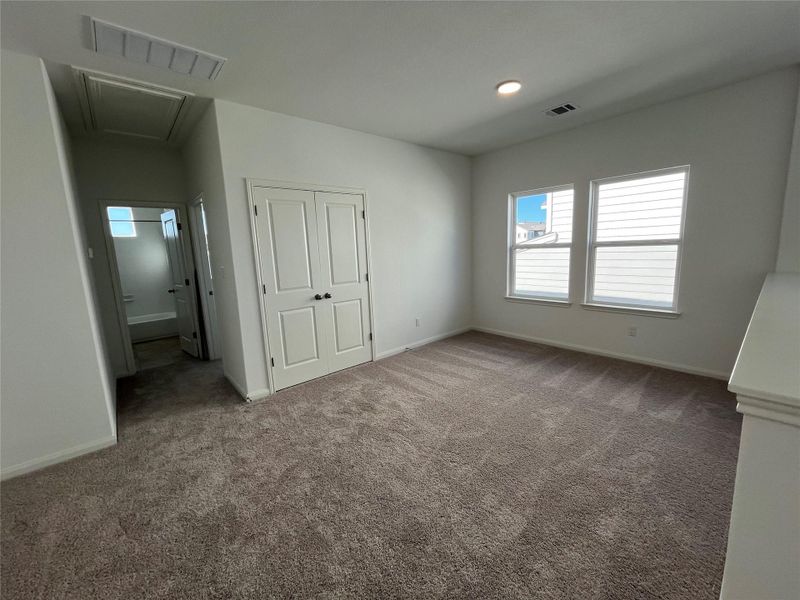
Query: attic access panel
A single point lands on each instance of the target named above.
(113, 105)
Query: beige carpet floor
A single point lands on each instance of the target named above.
(475, 467)
(158, 353)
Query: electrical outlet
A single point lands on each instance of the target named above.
(416, 321)
(633, 331)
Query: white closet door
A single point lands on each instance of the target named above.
(343, 270)
(286, 229)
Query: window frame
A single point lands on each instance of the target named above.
(129, 220)
(592, 245)
(512, 246)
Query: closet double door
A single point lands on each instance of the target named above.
(313, 260)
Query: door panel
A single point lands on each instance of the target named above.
(343, 260)
(289, 232)
(286, 234)
(341, 223)
(185, 307)
(298, 336)
(347, 325)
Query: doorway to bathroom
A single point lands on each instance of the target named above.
(155, 284)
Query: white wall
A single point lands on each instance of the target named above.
(143, 264)
(203, 171)
(789, 249)
(736, 140)
(120, 170)
(56, 394)
(764, 536)
(419, 212)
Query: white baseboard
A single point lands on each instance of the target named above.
(417, 344)
(239, 389)
(622, 356)
(257, 395)
(56, 457)
(247, 396)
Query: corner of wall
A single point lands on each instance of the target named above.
(788, 259)
(57, 397)
(203, 165)
(79, 235)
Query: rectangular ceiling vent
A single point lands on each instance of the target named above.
(121, 42)
(557, 111)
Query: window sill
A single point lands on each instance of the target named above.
(645, 312)
(543, 301)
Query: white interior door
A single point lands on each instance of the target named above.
(286, 231)
(313, 258)
(202, 261)
(185, 306)
(343, 269)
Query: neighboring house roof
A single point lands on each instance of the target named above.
(547, 238)
(532, 226)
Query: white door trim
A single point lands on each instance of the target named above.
(116, 283)
(310, 187)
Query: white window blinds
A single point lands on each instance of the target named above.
(636, 236)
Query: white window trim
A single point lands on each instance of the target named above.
(513, 246)
(532, 300)
(592, 245)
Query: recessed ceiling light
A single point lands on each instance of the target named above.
(506, 88)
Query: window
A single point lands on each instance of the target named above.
(541, 236)
(120, 219)
(635, 240)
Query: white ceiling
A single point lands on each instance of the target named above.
(425, 71)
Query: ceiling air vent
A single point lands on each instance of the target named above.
(121, 42)
(561, 110)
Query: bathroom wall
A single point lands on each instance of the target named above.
(144, 266)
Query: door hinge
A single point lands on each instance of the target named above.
(264, 288)
(366, 276)
(186, 282)
(255, 209)
(363, 214)
(194, 334)
(272, 360)
(180, 227)
(210, 292)
(370, 337)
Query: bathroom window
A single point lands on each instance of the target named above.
(120, 219)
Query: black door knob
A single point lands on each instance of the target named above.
(317, 297)
(328, 295)
(170, 291)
